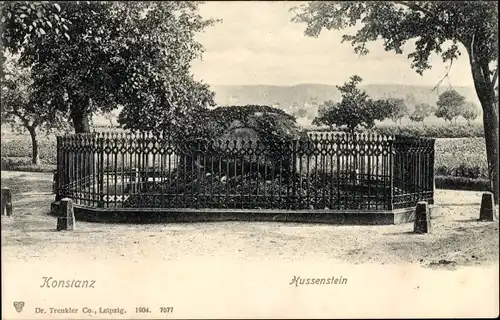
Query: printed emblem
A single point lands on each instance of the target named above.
(19, 305)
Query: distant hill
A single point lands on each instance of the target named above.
(300, 94)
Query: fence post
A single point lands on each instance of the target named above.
(6, 201)
(487, 211)
(101, 172)
(294, 201)
(391, 173)
(57, 173)
(66, 215)
(431, 171)
(422, 218)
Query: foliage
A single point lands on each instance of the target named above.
(438, 27)
(355, 109)
(461, 157)
(450, 105)
(19, 105)
(224, 116)
(25, 22)
(300, 113)
(433, 24)
(272, 126)
(470, 112)
(398, 109)
(468, 170)
(133, 54)
(239, 187)
(421, 111)
(433, 131)
(25, 165)
(20, 147)
(461, 183)
(24, 111)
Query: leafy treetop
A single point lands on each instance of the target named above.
(434, 25)
(450, 105)
(422, 111)
(25, 22)
(130, 54)
(355, 109)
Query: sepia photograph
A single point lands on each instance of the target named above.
(249, 159)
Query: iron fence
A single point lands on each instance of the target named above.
(327, 171)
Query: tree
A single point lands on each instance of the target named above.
(450, 105)
(321, 110)
(110, 118)
(470, 112)
(355, 109)
(130, 54)
(19, 106)
(442, 27)
(422, 111)
(329, 115)
(399, 109)
(411, 101)
(300, 113)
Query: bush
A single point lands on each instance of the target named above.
(430, 131)
(462, 183)
(433, 131)
(465, 157)
(20, 146)
(24, 164)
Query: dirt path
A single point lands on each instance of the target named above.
(456, 239)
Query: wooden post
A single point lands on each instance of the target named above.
(487, 211)
(422, 218)
(66, 216)
(6, 201)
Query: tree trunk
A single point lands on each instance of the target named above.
(35, 158)
(486, 94)
(81, 121)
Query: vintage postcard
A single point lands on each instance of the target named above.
(249, 159)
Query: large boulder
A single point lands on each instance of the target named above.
(273, 132)
(260, 126)
(248, 139)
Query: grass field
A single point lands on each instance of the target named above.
(453, 153)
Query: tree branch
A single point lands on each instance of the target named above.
(472, 48)
(18, 114)
(413, 6)
(495, 77)
(445, 76)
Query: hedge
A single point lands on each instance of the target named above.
(419, 130)
(24, 164)
(462, 183)
(433, 131)
(20, 146)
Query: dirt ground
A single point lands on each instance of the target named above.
(457, 238)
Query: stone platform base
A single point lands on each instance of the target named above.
(155, 215)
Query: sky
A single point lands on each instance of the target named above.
(257, 44)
